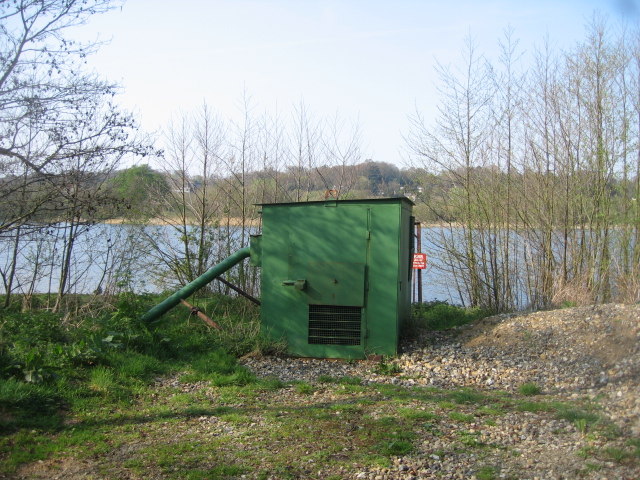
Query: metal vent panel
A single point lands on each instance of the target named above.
(334, 325)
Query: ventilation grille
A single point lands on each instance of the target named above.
(334, 325)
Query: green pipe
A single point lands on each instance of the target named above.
(207, 277)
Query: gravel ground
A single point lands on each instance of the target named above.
(583, 353)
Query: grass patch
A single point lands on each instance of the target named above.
(270, 384)
(304, 388)
(487, 472)
(461, 417)
(346, 380)
(394, 447)
(616, 454)
(470, 439)
(94, 390)
(466, 396)
(416, 415)
(635, 443)
(529, 389)
(534, 407)
(490, 410)
(575, 414)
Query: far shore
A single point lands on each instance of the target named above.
(232, 221)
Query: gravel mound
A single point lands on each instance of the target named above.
(593, 351)
(576, 353)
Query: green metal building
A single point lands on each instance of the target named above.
(336, 275)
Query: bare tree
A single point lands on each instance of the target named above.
(341, 145)
(41, 87)
(455, 147)
(305, 152)
(185, 243)
(543, 188)
(60, 135)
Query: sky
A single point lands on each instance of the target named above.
(369, 62)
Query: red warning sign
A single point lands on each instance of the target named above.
(419, 261)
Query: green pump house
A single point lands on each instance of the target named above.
(335, 275)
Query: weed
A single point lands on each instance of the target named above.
(592, 467)
(385, 367)
(568, 304)
(433, 429)
(347, 380)
(351, 408)
(236, 418)
(529, 389)
(137, 365)
(470, 439)
(102, 380)
(492, 410)
(241, 376)
(635, 442)
(616, 454)
(581, 425)
(586, 452)
(221, 369)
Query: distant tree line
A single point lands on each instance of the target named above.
(140, 186)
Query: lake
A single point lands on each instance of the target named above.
(115, 257)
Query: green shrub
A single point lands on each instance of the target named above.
(58, 361)
(439, 315)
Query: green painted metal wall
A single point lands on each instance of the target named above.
(335, 275)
